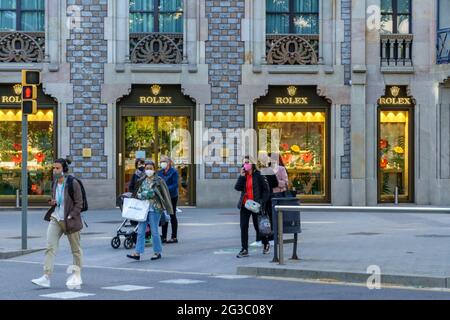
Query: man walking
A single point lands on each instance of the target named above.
(65, 218)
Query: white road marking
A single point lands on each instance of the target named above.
(120, 269)
(67, 295)
(318, 222)
(127, 288)
(230, 277)
(182, 281)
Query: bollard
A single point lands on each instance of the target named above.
(396, 196)
(17, 198)
(280, 237)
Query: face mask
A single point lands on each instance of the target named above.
(248, 166)
(150, 173)
(164, 165)
(142, 169)
(58, 175)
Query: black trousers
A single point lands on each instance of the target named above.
(245, 223)
(173, 221)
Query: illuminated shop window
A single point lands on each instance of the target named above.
(40, 153)
(394, 154)
(302, 146)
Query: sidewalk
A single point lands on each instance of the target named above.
(409, 249)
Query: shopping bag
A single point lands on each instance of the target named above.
(134, 209)
(264, 227)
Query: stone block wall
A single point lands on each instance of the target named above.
(346, 161)
(346, 46)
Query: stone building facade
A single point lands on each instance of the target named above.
(229, 67)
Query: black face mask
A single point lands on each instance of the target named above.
(141, 169)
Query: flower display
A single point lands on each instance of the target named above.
(40, 157)
(17, 146)
(399, 150)
(285, 146)
(307, 157)
(295, 148)
(287, 158)
(384, 144)
(383, 163)
(17, 159)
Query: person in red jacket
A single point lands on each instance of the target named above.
(253, 186)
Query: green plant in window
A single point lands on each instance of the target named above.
(385, 189)
(42, 140)
(139, 134)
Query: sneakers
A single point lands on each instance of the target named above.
(134, 256)
(156, 256)
(43, 281)
(256, 244)
(266, 249)
(242, 254)
(74, 281)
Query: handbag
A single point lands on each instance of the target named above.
(264, 226)
(252, 206)
(134, 209)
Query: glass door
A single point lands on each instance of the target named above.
(140, 142)
(395, 147)
(150, 137)
(175, 142)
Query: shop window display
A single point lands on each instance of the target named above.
(394, 149)
(40, 153)
(302, 146)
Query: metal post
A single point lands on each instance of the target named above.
(396, 196)
(24, 179)
(280, 236)
(275, 235)
(294, 253)
(17, 198)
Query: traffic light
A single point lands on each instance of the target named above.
(31, 77)
(30, 80)
(29, 96)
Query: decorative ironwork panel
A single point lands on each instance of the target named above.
(22, 47)
(443, 46)
(396, 50)
(292, 49)
(156, 48)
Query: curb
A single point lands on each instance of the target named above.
(349, 277)
(16, 253)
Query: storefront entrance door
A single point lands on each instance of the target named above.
(150, 137)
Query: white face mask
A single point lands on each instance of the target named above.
(150, 173)
(164, 165)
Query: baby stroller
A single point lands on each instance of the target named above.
(127, 229)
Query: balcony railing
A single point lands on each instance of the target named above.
(156, 48)
(443, 46)
(291, 49)
(396, 50)
(17, 46)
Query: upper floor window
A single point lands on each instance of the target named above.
(444, 14)
(396, 16)
(22, 15)
(156, 16)
(443, 33)
(292, 16)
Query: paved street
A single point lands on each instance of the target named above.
(203, 265)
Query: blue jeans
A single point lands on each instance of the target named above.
(153, 220)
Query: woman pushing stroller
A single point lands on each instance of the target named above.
(154, 189)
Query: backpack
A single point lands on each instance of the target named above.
(71, 191)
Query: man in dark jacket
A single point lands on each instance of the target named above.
(170, 176)
(253, 186)
(64, 218)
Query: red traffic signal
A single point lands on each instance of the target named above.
(29, 93)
